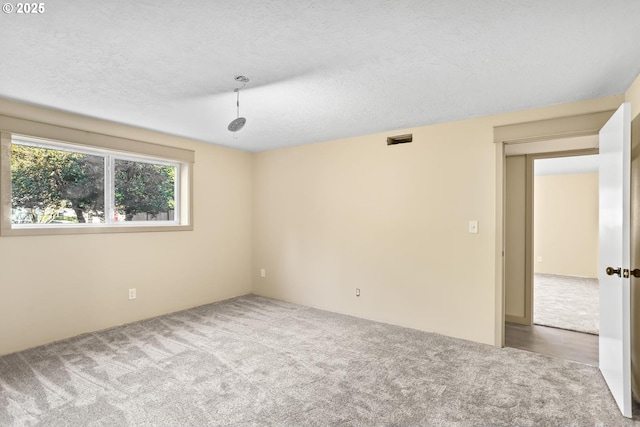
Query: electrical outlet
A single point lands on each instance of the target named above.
(357, 292)
(132, 293)
(263, 272)
(539, 259)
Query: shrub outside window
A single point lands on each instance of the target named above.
(144, 191)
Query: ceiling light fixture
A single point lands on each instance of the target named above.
(238, 122)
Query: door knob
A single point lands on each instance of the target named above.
(611, 271)
(635, 272)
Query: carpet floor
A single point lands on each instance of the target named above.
(566, 302)
(258, 361)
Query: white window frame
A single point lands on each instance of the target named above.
(110, 148)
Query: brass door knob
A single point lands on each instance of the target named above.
(611, 271)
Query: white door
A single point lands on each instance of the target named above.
(615, 322)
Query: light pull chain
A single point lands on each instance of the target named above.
(238, 102)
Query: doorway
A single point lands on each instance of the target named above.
(565, 243)
(550, 257)
(618, 210)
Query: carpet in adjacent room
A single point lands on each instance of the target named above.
(566, 302)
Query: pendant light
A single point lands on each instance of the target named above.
(238, 123)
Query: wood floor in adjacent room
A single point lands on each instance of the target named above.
(562, 343)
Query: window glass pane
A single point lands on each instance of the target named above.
(55, 187)
(144, 191)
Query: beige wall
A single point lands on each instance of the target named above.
(392, 221)
(53, 287)
(566, 224)
(325, 218)
(514, 283)
(632, 95)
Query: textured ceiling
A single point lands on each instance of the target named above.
(319, 70)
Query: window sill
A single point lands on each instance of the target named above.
(84, 229)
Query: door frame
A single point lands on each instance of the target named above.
(557, 128)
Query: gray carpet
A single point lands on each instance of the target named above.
(566, 302)
(257, 361)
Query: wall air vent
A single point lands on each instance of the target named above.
(400, 139)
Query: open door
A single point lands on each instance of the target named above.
(614, 235)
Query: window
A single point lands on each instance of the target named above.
(58, 187)
(144, 191)
(53, 186)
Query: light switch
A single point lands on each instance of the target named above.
(473, 227)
